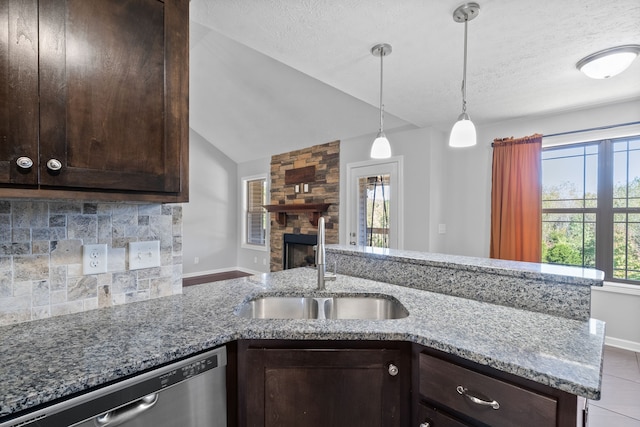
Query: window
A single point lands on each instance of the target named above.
(374, 210)
(591, 206)
(255, 214)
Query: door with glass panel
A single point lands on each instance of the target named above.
(373, 205)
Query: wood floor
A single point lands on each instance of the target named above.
(188, 281)
(620, 402)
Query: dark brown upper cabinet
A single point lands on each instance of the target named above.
(95, 94)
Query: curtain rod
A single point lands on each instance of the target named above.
(590, 129)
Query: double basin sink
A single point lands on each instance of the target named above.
(361, 307)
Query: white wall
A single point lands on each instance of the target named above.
(209, 219)
(252, 260)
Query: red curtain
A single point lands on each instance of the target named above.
(516, 193)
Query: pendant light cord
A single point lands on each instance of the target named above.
(464, 68)
(381, 74)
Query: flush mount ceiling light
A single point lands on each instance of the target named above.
(380, 149)
(463, 133)
(608, 62)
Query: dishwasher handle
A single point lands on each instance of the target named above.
(121, 415)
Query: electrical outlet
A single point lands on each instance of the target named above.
(94, 259)
(144, 254)
(196, 260)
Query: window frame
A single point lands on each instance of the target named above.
(605, 210)
(244, 238)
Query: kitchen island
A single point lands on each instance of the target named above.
(47, 360)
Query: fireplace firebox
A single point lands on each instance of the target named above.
(299, 250)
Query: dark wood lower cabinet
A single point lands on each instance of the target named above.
(453, 392)
(311, 384)
(290, 383)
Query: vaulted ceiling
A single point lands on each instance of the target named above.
(270, 76)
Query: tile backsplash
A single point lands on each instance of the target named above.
(41, 256)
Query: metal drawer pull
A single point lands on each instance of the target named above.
(24, 162)
(122, 415)
(425, 424)
(54, 164)
(464, 392)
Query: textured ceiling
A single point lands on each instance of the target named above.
(268, 76)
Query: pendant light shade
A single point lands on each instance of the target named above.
(608, 62)
(381, 149)
(463, 133)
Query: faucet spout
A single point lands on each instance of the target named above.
(321, 257)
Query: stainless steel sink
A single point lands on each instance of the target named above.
(333, 307)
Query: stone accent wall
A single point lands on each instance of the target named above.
(325, 189)
(41, 256)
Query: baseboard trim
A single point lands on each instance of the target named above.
(623, 344)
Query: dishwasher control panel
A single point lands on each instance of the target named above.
(187, 371)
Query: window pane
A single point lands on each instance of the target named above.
(375, 193)
(255, 228)
(626, 176)
(568, 239)
(256, 216)
(569, 178)
(626, 256)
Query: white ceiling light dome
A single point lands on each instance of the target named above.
(608, 62)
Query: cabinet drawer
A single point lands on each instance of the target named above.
(431, 417)
(441, 380)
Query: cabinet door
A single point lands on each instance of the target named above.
(114, 91)
(324, 388)
(18, 91)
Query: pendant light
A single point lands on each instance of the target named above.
(380, 149)
(608, 62)
(463, 133)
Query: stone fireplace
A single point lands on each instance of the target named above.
(318, 170)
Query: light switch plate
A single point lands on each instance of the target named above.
(94, 259)
(144, 254)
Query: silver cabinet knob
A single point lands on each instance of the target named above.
(54, 164)
(425, 424)
(24, 162)
(393, 370)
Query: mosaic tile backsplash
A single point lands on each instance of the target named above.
(41, 256)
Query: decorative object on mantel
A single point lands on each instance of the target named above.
(313, 209)
(463, 133)
(300, 177)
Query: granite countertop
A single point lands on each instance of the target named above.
(49, 359)
(552, 272)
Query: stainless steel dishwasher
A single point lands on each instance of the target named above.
(189, 393)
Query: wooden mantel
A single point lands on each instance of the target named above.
(313, 209)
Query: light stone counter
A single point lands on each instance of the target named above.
(50, 359)
(553, 289)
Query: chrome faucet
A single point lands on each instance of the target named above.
(321, 258)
